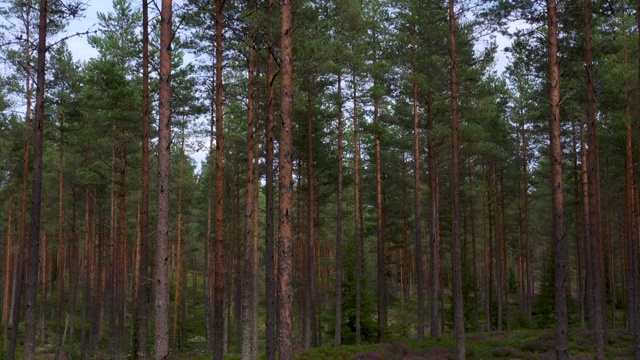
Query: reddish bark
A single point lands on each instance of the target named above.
(285, 238)
(458, 304)
(560, 247)
(161, 275)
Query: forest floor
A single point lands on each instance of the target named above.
(522, 343)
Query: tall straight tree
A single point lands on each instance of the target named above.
(418, 205)
(161, 276)
(218, 306)
(339, 271)
(456, 246)
(36, 192)
(599, 293)
(560, 248)
(285, 237)
(270, 256)
(140, 316)
(249, 346)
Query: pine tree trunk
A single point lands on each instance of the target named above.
(486, 234)
(498, 244)
(36, 193)
(248, 351)
(161, 269)
(179, 256)
(87, 280)
(285, 238)
(9, 261)
(270, 256)
(458, 301)
(578, 230)
(599, 308)
(358, 210)
(382, 252)
(21, 257)
(218, 308)
(339, 270)
(635, 251)
(418, 214)
(434, 214)
(140, 316)
(560, 247)
(311, 244)
(476, 285)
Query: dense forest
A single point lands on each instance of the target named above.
(321, 179)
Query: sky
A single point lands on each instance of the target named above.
(78, 45)
(81, 49)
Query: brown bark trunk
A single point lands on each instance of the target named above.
(599, 308)
(311, 245)
(358, 210)
(418, 211)
(248, 321)
(285, 238)
(87, 279)
(220, 270)
(498, 243)
(43, 300)
(36, 193)
(486, 234)
(458, 301)
(270, 256)
(635, 264)
(179, 256)
(161, 270)
(21, 256)
(140, 318)
(560, 247)
(434, 214)
(476, 296)
(8, 264)
(122, 251)
(578, 233)
(382, 252)
(339, 270)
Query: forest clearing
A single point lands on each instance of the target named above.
(320, 179)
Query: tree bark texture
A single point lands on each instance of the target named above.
(36, 192)
(285, 237)
(161, 276)
(458, 301)
(560, 247)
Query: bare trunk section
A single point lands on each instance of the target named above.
(161, 269)
(21, 256)
(380, 223)
(248, 320)
(61, 244)
(220, 270)
(560, 247)
(270, 256)
(36, 194)
(339, 270)
(458, 301)
(358, 210)
(417, 199)
(311, 242)
(9, 261)
(599, 308)
(140, 319)
(434, 214)
(87, 280)
(179, 285)
(476, 285)
(285, 237)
